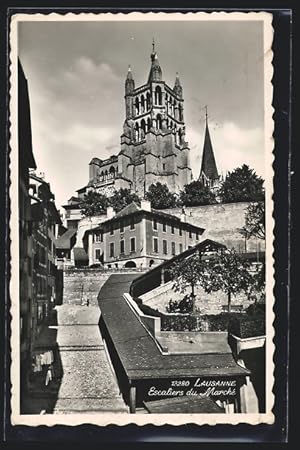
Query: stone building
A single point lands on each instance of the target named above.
(46, 227)
(139, 237)
(26, 162)
(153, 143)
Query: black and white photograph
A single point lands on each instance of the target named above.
(141, 218)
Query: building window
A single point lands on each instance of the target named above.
(122, 247)
(132, 244)
(155, 245)
(173, 249)
(111, 250)
(197, 236)
(111, 229)
(180, 231)
(164, 227)
(98, 237)
(190, 234)
(165, 247)
(154, 224)
(180, 248)
(97, 254)
(121, 226)
(164, 166)
(132, 223)
(172, 229)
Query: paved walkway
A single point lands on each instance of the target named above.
(87, 384)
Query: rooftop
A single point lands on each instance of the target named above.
(137, 349)
(64, 241)
(133, 209)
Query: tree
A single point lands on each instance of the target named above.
(160, 196)
(196, 194)
(227, 272)
(242, 185)
(186, 274)
(122, 198)
(258, 283)
(254, 221)
(93, 204)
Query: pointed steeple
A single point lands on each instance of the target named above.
(208, 169)
(155, 69)
(177, 86)
(129, 83)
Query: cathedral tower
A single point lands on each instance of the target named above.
(153, 145)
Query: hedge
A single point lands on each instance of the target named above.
(240, 324)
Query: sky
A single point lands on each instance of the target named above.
(76, 73)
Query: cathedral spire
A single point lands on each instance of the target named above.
(177, 86)
(129, 83)
(208, 171)
(155, 70)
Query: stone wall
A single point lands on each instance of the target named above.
(222, 223)
(213, 303)
(80, 285)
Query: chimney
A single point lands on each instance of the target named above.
(110, 212)
(146, 205)
(183, 215)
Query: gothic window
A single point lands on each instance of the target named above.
(148, 124)
(137, 106)
(158, 122)
(142, 104)
(112, 172)
(137, 131)
(180, 113)
(148, 97)
(158, 95)
(101, 176)
(106, 175)
(143, 128)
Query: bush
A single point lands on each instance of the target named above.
(185, 305)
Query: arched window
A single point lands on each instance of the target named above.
(158, 122)
(143, 128)
(148, 124)
(137, 131)
(137, 106)
(106, 175)
(112, 172)
(180, 136)
(148, 97)
(180, 113)
(142, 104)
(102, 176)
(129, 264)
(158, 95)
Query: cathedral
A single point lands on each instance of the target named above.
(153, 142)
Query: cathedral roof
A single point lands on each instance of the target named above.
(208, 165)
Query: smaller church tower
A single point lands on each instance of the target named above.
(208, 172)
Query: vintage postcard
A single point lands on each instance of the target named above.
(141, 179)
